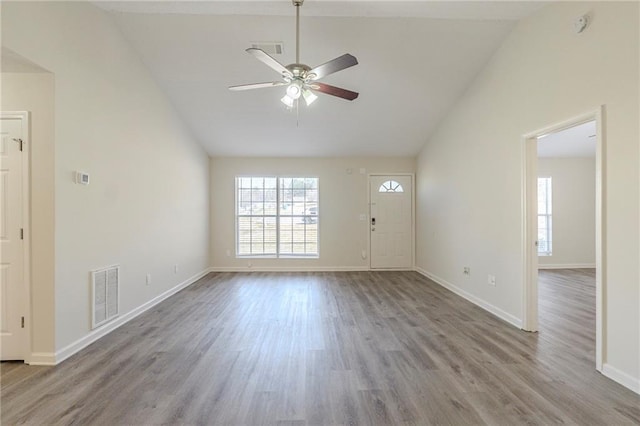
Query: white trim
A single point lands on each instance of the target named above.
(505, 316)
(413, 218)
(88, 339)
(25, 116)
(529, 235)
(566, 265)
(621, 377)
(42, 358)
(290, 269)
(412, 268)
(529, 211)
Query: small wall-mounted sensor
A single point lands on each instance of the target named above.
(580, 24)
(82, 178)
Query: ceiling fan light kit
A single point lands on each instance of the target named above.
(300, 79)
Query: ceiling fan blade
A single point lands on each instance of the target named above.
(262, 56)
(334, 65)
(257, 85)
(334, 91)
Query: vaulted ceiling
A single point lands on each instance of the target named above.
(415, 60)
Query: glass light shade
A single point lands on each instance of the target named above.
(309, 96)
(287, 101)
(294, 90)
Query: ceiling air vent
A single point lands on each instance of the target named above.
(269, 47)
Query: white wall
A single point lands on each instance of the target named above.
(470, 170)
(342, 198)
(147, 205)
(573, 211)
(34, 92)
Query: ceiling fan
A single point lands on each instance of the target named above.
(302, 80)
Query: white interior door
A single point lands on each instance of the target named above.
(391, 221)
(13, 295)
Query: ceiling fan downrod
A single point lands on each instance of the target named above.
(297, 4)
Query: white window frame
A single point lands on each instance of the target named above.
(548, 215)
(277, 216)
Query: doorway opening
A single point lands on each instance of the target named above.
(563, 233)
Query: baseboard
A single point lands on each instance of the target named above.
(94, 335)
(411, 269)
(288, 268)
(517, 322)
(566, 266)
(41, 358)
(621, 377)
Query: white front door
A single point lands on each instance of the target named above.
(390, 221)
(13, 295)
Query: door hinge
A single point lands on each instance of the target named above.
(21, 142)
(22, 233)
(22, 322)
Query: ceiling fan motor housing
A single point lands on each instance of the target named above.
(299, 71)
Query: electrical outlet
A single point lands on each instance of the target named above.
(228, 253)
(466, 270)
(148, 279)
(175, 268)
(491, 280)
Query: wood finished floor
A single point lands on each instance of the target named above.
(331, 348)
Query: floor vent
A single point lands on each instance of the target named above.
(270, 47)
(105, 292)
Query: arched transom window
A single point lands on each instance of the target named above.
(390, 186)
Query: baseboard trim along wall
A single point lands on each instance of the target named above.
(567, 266)
(289, 269)
(41, 358)
(517, 322)
(621, 377)
(85, 341)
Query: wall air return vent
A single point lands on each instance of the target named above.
(269, 47)
(105, 294)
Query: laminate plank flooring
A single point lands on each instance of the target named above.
(370, 348)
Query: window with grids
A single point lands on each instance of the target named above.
(390, 186)
(277, 216)
(544, 217)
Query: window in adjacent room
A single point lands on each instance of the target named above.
(544, 217)
(277, 216)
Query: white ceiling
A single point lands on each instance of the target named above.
(578, 141)
(413, 66)
(450, 9)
